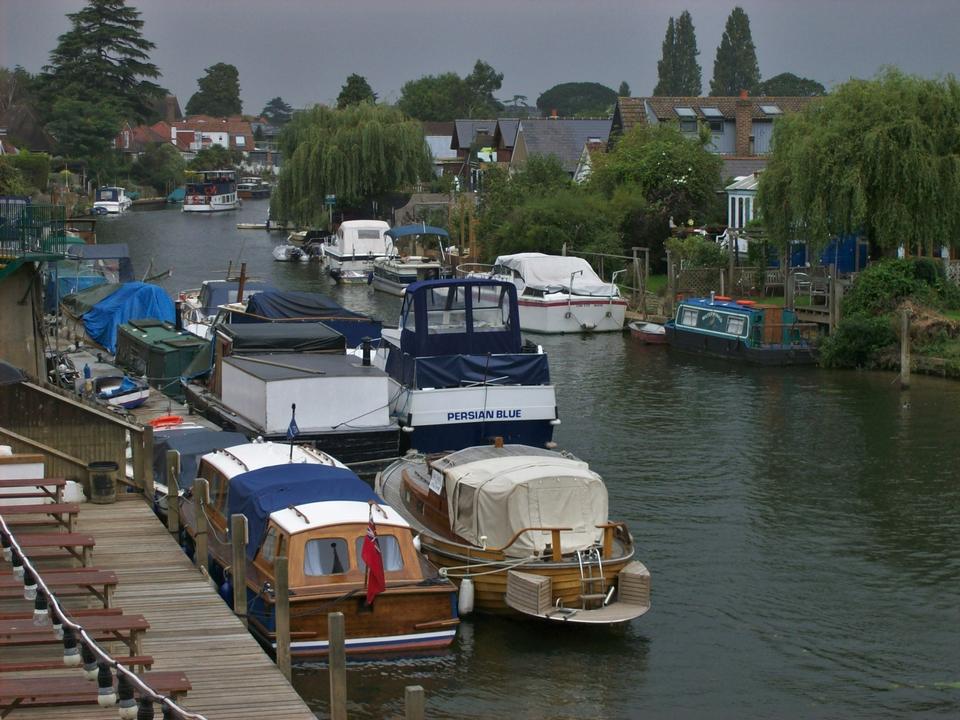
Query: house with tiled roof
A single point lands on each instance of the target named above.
(562, 138)
(591, 149)
(439, 136)
(505, 138)
(133, 140)
(202, 131)
(741, 128)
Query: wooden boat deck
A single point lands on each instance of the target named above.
(191, 628)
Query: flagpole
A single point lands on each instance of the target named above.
(291, 435)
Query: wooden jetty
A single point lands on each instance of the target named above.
(191, 630)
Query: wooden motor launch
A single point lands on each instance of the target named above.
(525, 528)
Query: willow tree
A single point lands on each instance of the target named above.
(878, 157)
(355, 153)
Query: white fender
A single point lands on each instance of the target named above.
(465, 601)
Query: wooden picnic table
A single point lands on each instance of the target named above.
(62, 513)
(127, 629)
(67, 582)
(47, 487)
(74, 689)
(79, 545)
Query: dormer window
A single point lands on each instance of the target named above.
(714, 118)
(772, 110)
(688, 119)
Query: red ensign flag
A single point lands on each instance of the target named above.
(376, 583)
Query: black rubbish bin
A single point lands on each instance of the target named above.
(103, 481)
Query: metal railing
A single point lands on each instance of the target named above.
(31, 228)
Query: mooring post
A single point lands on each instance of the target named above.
(201, 497)
(904, 349)
(338, 666)
(238, 541)
(173, 491)
(146, 463)
(282, 616)
(414, 701)
(637, 290)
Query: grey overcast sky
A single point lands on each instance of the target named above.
(303, 50)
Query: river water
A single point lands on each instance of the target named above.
(802, 528)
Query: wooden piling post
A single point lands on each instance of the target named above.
(201, 497)
(282, 616)
(146, 463)
(238, 540)
(414, 700)
(173, 491)
(904, 349)
(338, 666)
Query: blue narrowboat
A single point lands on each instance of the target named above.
(742, 330)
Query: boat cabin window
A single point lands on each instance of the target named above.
(268, 551)
(218, 486)
(389, 550)
(712, 320)
(446, 310)
(368, 234)
(326, 556)
(491, 309)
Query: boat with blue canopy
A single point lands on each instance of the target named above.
(418, 260)
(742, 330)
(316, 512)
(460, 372)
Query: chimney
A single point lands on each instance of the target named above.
(743, 122)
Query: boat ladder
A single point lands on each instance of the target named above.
(593, 587)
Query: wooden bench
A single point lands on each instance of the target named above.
(79, 545)
(144, 662)
(74, 689)
(74, 613)
(100, 584)
(47, 488)
(61, 513)
(127, 629)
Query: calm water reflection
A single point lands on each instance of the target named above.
(802, 528)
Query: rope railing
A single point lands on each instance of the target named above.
(96, 662)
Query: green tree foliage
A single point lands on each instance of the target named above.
(277, 112)
(578, 99)
(359, 152)
(789, 85)
(623, 90)
(892, 171)
(35, 168)
(735, 67)
(160, 166)
(356, 90)
(104, 58)
(219, 93)
(11, 179)
(17, 87)
(449, 97)
(696, 250)
(86, 129)
(216, 157)
(678, 72)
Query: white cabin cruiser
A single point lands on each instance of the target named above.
(111, 200)
(352, 250)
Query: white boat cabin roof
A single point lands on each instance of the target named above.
(311, 516)
(253, 456)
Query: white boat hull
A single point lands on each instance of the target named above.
(112, 208)
(558, 313)
(217, 203)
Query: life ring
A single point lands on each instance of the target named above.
(165, 421)
(210, 190)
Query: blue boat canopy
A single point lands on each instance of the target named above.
(191, 443)
(295, 306)
(258, 493)
(131, 301)
(407, 230)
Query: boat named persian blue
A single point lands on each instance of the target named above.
(460, 373)
(742, 330)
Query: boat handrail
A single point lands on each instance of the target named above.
(465, 269)
(232, 456)
(554, 530)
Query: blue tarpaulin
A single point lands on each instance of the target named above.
(132, 301)
(274, 305)
(258, 493)
(451, 371)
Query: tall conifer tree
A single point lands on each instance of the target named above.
(666, 66)
(687, 77)
(735, 67)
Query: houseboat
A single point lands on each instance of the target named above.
(524, 530)
(159, 351)
(214, 191)
(459, 371)
(352, 250)
(253, 188)
(317, 513)
(742, 330)
(408, 258)
(111, 200)
(561, 293)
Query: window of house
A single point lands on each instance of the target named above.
(326, 556)
(716, 126)
(389, 551)
(688, 119)
(771, 110)
(240, 140)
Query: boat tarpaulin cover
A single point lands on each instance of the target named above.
(215, 293)
(131, 301)
(81, 302)
(499, 496)
(260, 492)
(274, 337)
(10, 375)
(449, 371)
(557, 273)
(310, 307)
(191, 443)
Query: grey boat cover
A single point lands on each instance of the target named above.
(282, 337)
(192, 444)
(556, 273)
